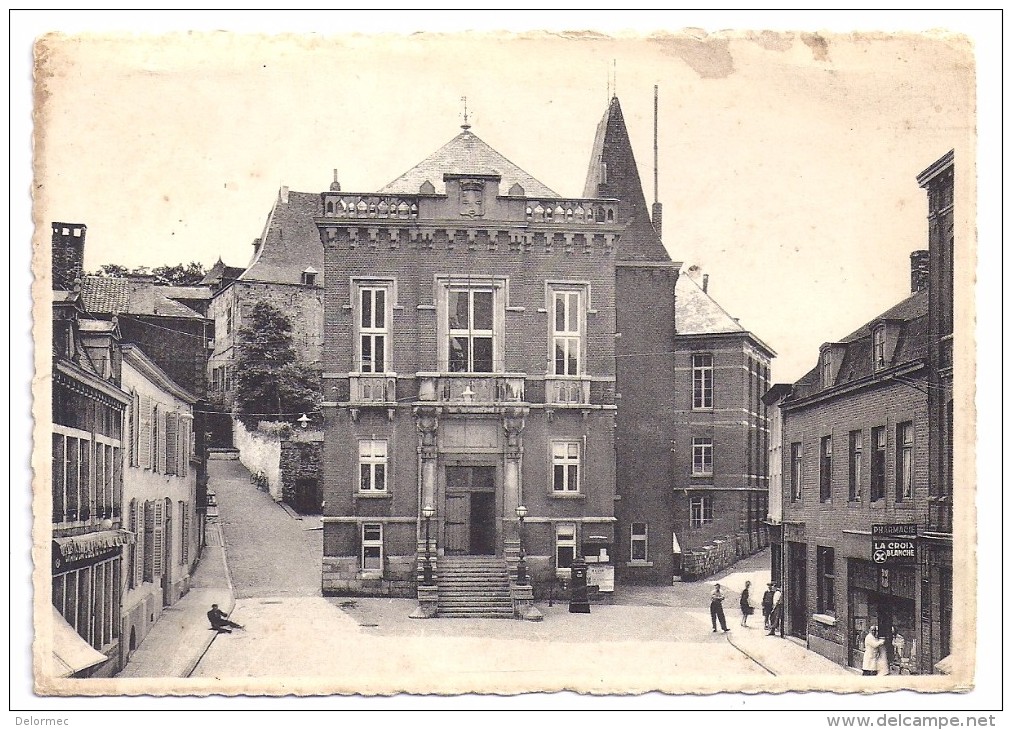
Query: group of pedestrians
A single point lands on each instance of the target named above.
(772, 606)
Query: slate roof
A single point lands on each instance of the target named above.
(697, 313)
(911, 316)
(467, 154)
(612, 152)
(290, 242)
(108, 295)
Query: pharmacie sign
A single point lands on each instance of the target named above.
(894, 544)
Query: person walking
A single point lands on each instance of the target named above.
(874, 649)
(777, 614)
(717, 609)
(767, 605)
(745, 604)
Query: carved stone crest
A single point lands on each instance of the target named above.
(472, 198)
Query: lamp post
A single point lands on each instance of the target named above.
(427, 513)
(522, 564)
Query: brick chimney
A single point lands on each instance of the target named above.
(920, 267)
(68, 254)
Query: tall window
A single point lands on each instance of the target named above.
(566, 338)
(372, 547)
(796, 472)
(827, 369)
(565, 466)
(638, 541)
(373, 329)
(702, 456)
(73, 489)
(372, 466)
(565, 544)
(878, 347)
(700, 511)
(826, 595)
(878, 463)
(702, 381)
(855, 457)
(904, 460)
(471, 329)
(826, 469)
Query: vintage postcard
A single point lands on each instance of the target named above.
(500, 363)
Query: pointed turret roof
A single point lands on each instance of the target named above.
(466, 154)
(613, 174)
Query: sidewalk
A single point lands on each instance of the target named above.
(782, 657)
(181, 636)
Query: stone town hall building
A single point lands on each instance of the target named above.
(475, 322)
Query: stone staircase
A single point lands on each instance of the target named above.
(473, 586)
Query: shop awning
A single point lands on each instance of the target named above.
(91, 544)
(71, 653)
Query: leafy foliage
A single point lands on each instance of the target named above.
(177, 275)
(271, 381)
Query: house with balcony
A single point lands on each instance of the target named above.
(469, 381)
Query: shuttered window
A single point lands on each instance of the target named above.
(171, 435)
(137, 512)
(144, 436)
(184, 512)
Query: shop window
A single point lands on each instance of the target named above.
(904, 460)
(638, 541)
(826, 596)
(372, 548)
(855, 457)
(878, 463)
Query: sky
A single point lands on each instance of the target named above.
(787, 163)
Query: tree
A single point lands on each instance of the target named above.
(271, 382)
(180, 275)
(116, 271)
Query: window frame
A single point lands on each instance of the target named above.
(879, 467)
(372, 460)
(565, 543)
(705, 511)
(366, 543)
(702, 456)
(443, 286)
(855, 465)
(797, 470)
(826, 585)
(826, 469)
(570, 465)
(567, 292)
(639, 538)
(471, 333)
(373, 287)
(878, 343)
(702, 381)
(904, 461)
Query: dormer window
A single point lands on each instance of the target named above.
(309, 277)
(827, 369)
(878, 347)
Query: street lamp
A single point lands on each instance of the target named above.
(522, 564)
(427, 513)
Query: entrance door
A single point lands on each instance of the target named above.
(470, 510)
(798, 590)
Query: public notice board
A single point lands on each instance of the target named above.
(894, 544)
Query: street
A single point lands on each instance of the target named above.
(651, 634)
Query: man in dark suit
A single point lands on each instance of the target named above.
(219, 620)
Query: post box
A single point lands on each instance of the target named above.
(578, 600)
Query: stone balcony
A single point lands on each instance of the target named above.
(567, 391)
(465, 389)
(373, 388)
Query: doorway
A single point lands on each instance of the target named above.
(797, 590)
(470, 510)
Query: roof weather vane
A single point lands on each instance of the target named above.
(465, 126)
